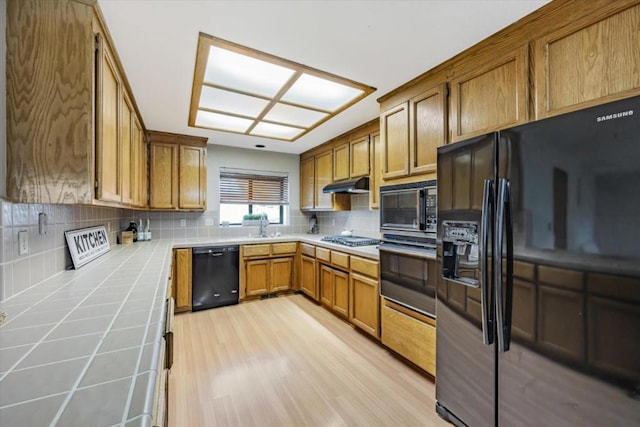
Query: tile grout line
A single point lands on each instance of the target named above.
(61, 320)
(70, 393)
(127, 406)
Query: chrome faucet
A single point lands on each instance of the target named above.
(264, 223)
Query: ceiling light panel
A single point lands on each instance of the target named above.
(235, 71)
(283, 113)
(231, 102)
(270, 130)
(239, 89)
(222, 122)
(320, 93)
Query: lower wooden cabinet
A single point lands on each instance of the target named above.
(334, 290)
(364, 309)
(308, 280)
(182, 279)
(263, 276)
(410, 334)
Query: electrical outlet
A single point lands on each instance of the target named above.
(183, 223)
(333, 222)
(23, 239)
(209, 222)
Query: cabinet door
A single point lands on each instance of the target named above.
(257, 277)
(308, 283)
(428, 129)
(323, 177)
(364, 308)
(341, 293)
(108, 128)
(163, 177)
(326, 285)
(281, 274)
(127, 151)
(359, 157)
(587, 63)
(376, 172)
(341, 162)
(492, 97)
(192, 183)
(182, 279)
(394, 128)
(307, 184)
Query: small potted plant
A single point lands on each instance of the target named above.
(252, 219)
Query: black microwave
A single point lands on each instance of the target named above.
(409, 208)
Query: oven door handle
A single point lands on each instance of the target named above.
(406, 250)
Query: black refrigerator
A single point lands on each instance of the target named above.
(538, 303)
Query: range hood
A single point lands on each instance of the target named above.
(359, 185)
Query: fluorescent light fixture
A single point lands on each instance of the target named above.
(242, 90)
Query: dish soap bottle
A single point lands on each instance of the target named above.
(141, 234)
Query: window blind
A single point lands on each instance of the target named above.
(253, 188)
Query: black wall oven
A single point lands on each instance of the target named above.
(408, 223)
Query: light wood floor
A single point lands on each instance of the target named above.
(288, 362)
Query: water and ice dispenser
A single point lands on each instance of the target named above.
(460, 257)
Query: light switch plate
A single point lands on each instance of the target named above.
(209, 222)
(23, 242)
(183, 223)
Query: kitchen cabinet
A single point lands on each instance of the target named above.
(182, 265)
(351, 159)
(341, 162)
(316, 173)
(364, 302)
(178, 171)
(308, 271)
(412, 132)
(410, 334)
(588, 61)
(267, 268)
(334, 290)
(394, 128)
(65, 136)
(376, 172)
(307, 184)
(491, 97)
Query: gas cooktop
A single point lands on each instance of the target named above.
(351, 240)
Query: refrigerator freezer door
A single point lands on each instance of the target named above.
(574, 354)
(465, 365)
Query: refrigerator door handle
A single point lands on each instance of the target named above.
(487, 204)
(501, 204)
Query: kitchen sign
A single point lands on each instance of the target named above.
(87, 244)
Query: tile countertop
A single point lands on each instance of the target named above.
(82, 348)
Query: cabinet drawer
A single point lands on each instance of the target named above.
(409, 337)
(306, 249)
(323, 254)
(256, 250)
(365, 266)
(339, 259)
(283, 248)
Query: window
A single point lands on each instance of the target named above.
(245, 192)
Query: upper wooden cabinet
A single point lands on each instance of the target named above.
(588, 62)
(493, 96)
(351, 159)
(427, 129)
(315, 173)
(394, 128)
(178, 171)
(66, 119)
(411, 133)
(341, 162)
(307, 184)
(376, 172)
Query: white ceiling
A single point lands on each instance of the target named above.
(379, 43)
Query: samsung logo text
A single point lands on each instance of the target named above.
(614, 116)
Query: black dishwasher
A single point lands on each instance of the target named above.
(216, 277)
